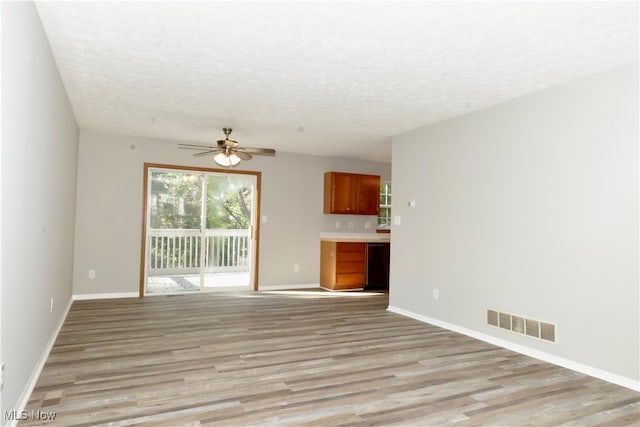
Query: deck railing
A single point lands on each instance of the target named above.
(176, 251)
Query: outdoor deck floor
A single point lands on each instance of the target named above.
(191, 282)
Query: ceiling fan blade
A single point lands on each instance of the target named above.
(243, 155)
(196, 147)
(259, 151)
(208, 152)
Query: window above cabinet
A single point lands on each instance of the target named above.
(384, 216)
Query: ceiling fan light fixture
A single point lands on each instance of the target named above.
(227, 160)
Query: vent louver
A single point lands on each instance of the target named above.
(521, 325)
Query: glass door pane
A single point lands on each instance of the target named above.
(228, 233)
(175, 212)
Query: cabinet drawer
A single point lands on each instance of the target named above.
(350, 247)
(350, 267)
(350, 257)
(350, 279)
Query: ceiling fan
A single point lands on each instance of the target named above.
(227, 153)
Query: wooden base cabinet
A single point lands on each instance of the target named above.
(342, 265)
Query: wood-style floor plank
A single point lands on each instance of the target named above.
(299, 358)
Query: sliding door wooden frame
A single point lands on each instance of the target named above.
(256, 226)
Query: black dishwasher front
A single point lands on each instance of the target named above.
(377, 266)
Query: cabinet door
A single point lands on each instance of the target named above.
(368, 194)
(343, 189)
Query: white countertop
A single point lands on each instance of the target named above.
(355, 237)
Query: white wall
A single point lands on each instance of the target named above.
(109, 209)
(529, 207)
(39, 160)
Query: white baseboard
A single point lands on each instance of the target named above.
(285, 287)
(78, 297)
(527, 351)
(35, 374)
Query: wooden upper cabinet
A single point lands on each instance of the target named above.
(368, 195)
(350, 193)
(340, 192)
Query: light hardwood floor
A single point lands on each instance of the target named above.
(300, 358)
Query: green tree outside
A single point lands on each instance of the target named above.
(176, 201)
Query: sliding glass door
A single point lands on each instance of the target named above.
(199, 231)
(229, 220)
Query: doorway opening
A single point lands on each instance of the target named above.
(200, 230)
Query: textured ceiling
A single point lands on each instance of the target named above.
(321, 78)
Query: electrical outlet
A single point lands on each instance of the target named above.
(436, 293)
(296, 268)
(92, 274)
(351, 225)
(1, 376)
(51, 308)
(337, 224)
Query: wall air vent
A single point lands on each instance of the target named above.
(522, 325)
